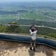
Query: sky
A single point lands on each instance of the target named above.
(24, 0)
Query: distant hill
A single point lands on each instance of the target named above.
(40, 23)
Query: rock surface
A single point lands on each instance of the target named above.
(20, 49)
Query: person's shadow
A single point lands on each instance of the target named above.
(46, 50)
(31, 53)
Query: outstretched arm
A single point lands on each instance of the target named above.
(32, 32)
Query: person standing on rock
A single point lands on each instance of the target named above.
(33, 32)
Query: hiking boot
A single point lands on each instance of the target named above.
(33, 49)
